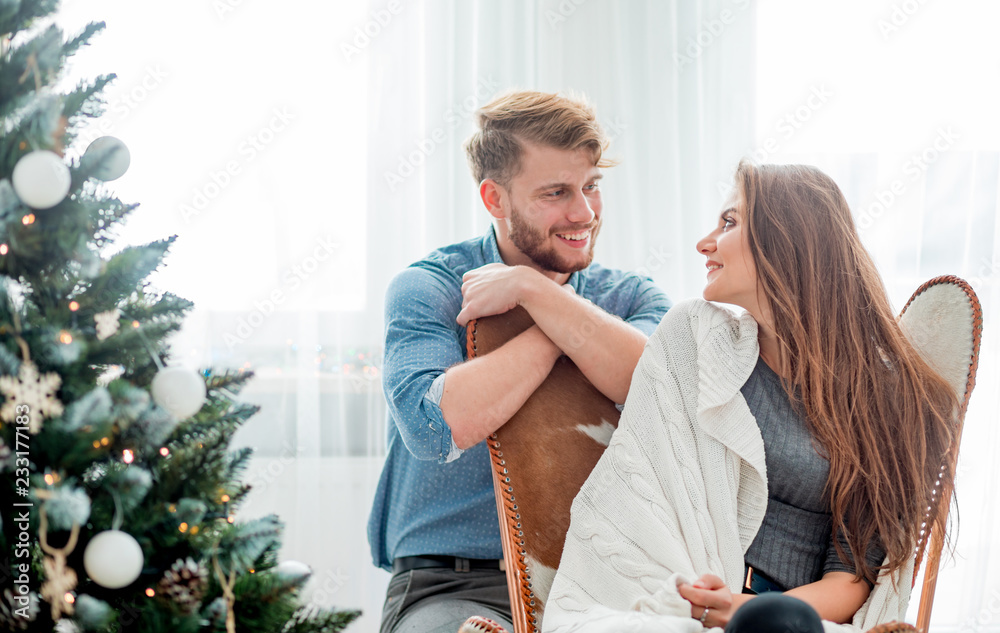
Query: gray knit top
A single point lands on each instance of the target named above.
(793, 546)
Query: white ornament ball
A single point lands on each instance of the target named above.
(113, 155)
(292, 570)
(41, 179)
(113, 559)
(180, 391)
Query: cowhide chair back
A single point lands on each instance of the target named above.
(944, 321)
(542, 456)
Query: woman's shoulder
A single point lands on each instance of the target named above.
(696, 332)
(696, 314)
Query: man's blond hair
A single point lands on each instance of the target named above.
(548, 119)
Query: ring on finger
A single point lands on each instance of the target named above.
(704, 616)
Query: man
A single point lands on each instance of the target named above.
(537, 159)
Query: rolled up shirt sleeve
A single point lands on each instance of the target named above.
(422, 342)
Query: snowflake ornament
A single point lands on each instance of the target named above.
(107, 323)
(37, 393)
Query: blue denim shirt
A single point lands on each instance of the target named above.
(433, 498)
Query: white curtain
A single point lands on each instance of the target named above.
(902, 119)
(345, 123)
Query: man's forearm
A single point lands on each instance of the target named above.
(604, 347)
(481, 394)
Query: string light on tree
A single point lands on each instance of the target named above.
(41, 179)
(101, 431)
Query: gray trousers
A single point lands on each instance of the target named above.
(440, 600)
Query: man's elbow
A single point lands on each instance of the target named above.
(467, 429)
(461, 435)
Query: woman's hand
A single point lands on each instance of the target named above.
(712, 603)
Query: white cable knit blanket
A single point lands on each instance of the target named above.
(681, 490)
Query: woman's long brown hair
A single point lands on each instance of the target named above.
(881, 415)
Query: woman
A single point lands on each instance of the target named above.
(793, 448)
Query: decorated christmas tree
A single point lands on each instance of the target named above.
(118, 489)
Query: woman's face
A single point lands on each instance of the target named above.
(732, 275)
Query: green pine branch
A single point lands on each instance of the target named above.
(311, 619)
(264, 602)
(34, 63)
(26, 14)
(84, 102)
(124, 272)
(83, 38)
(232, 380)
(103, 213)
(243, 543)
(9, 362)
(33, 125)
(113, 446)
(200, 446)
(239, 460)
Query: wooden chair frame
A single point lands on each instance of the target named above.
(523, 599)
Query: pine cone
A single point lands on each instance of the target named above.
(183, 585)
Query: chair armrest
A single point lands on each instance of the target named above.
(893, 627)
(479, 624)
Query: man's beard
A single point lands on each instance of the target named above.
(532, 242)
